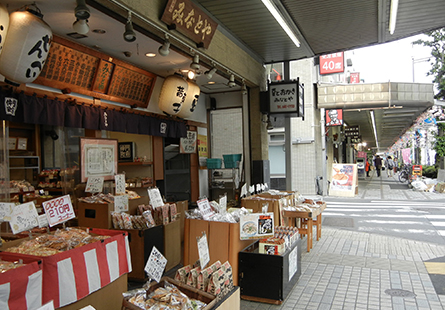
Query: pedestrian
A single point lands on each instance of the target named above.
(367, 167)
(389, 164)
(378, 164)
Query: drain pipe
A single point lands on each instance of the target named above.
(324, 161)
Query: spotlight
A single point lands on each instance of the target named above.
(195, 63)
(231, 81)
(164, 50)
(209, 74)
(191, 75)
(81, 11)
(81, 26)
(129, 34)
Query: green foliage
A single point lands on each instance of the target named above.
(429, 171)
(437, 45)
(439, 146)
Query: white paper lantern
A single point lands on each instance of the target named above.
(4, 25)
(190, 101)
(26, 47)
(173, 94)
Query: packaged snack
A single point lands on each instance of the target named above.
(192, 279)
(182, 274)
(165, 210)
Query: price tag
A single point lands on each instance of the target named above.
(47, 306)
(223, 203)
(59, 210)
(121, 203)
(155, 264)
(204, 207)
(252, 189)
(120, 183)
(203, 251)
(155, 197)
(95, 185)
(23, 217)
(258, 188)
(43, 220)
(6, 211)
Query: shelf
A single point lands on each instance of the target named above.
(136, 163)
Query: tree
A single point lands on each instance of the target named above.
(436, 42)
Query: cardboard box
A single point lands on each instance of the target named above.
(232, 301)
(181, 207)
(172, 244)
(256, 203)
(223, 239)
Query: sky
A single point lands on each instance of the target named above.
(393, 62)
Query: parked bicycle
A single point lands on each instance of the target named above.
(405, 174)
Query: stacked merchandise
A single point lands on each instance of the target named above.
(284, 237)
(107, 198)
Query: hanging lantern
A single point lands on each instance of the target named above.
(190, 101)
(173, 94)
(26, 47)
(4, 25)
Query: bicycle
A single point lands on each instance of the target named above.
(404, 174)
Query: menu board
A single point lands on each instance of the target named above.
(23, 217)
(256, 226)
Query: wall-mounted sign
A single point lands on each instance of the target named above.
(354, 78)
(300, 99)
(352, 131)
(190, 20)
(284, 98)
(188, 145)
(334, 117)
(332, 63)
(202, 146)
(356, 139)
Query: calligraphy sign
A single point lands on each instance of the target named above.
(155, 264)
(121, 203)
(119, 180)
(190, 20)
(6, 211)
(283, 98)
(155, 197)
(103, 76)
(188, 145)
(203, 251)
(94, 185)
(205, 208)
(23, 217)
(59, 210)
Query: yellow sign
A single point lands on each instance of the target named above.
(202, 146)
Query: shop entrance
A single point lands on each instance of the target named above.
(177, 172)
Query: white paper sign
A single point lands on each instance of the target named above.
(155, 197)
(252, 189)
(59, 210)
(43, 220)
(223, 203)
(263, 187)
(258, 188)
(6, 211)
(244, 190)
(120, 183)
(203, 251)
(256, 226)
(293, 262)
(23, 217)
(204, 207)
(267, 186)
(94, 185)
(155, 264)
(47, 306)
(121, 203)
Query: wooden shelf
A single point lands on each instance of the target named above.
(136, 163)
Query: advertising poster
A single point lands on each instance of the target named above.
(344, 180)
(256, 226)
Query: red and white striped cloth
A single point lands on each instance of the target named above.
(74, 274)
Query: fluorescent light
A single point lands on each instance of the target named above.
(393, 15)
(374, 129)
(273, 10)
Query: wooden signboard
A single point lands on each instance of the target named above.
(344, 181)
(190, 20)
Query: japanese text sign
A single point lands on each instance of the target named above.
(256, 226)
(23, 217)
(120, 183)
(59, 210)
(203, 251)
(155, 197)
(6, 211)
(354, 78)
(190, 20)
(188, 145)
(332, 63)
(283, 98)
(155, 264)
(121, 203)
(205, 208)
(43, 220)
(94, 185)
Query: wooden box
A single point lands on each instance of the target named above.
(223, 239)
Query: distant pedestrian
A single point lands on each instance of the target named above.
(367, 167)
(389, 164)
(378, 164)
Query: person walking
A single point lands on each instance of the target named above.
(367, 167)
(378, 164)
(389, 164)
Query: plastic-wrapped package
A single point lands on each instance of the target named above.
(193, 214)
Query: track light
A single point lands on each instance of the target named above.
(231, 81)
(191, 75)
(195, 63)
(81, 11)
(129, 34)
(164, 50)
(209, 74)
(81, 26)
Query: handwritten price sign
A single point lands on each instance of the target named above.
(6, 210)
(23, 217)
(94, 185)
(205, 208)
(59, 210)
(155, 264)
(120, 183)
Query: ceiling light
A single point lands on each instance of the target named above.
(81, 26)
(164, 50)
(393, 16)
(231, 81)
(81, 11)
(195, 63)
(273, 10)
(374, 129)
(129, 34)
(150, 54)
(191, 75)
(211, 82)
(209, 74)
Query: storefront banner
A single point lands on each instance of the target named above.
(121, 203)
(23, 217)
(205, 208)
(59, 210)
(6, 210)
(95, 185)
(119, 180)
(203, 251)
(155, 197)
(256, 226)
(155, 265)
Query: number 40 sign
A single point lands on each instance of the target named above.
(59, 210)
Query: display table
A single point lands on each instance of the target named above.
(307, 220)
(269, 278)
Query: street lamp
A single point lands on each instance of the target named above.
(415, 61)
